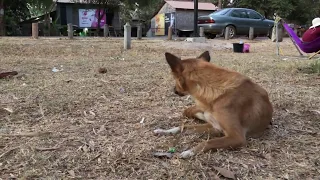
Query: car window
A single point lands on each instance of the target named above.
(253, 15)
(239, 13)
(220, 12)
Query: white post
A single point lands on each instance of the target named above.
(106, 30)
(251, 33)
(170, 33)
(277, 39)
(227, 33)
(127, 36)
(35, 31)
(70, 31)
(201, 32)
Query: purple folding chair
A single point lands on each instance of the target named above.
(307, 47)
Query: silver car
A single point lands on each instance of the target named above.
(239, 20)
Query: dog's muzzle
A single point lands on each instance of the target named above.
(176, 92)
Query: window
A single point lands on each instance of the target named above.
(220, 12)
(239, 13)
(254, 15)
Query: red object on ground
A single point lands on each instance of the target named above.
(8, 73)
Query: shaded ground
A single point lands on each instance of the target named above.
(77, 123)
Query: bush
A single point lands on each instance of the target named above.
(315, 66)
(312, 68)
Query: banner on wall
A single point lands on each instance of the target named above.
(89, 18)
(169, 21)
(160, 25)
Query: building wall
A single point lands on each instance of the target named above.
(185, 18)
(72, 13)
(116, 21)
(166, 8)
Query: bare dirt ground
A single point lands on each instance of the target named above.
(80, 124)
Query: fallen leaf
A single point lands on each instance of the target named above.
(102, 128)
(92, 113)
(142, 121)
(88, 122)
(316, 111)
(91, 145)
(268, 156)
(225, 173)
(8, 109)
(71, 172)
(85, 148)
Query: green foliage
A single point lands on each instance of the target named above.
(315, 66)
(311, 68)
(296, 11)
(40, 7)
(143, 9)
(15, 12)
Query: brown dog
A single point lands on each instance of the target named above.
(229, 102)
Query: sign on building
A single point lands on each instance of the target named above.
(88, 18)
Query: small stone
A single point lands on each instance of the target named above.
(103, 70)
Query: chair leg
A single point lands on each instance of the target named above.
(318, 52)
(296, 46)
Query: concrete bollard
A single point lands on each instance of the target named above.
(170, 33)
(127, 36)
(201, 32)
(106, 30)
(70, 31)
(35, 31)
(227, 33)
(139, 32)
(251, 33)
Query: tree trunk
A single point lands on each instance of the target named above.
(47, 22)
(100, 16)
(99, 20)
(220, 4)
(2, 25)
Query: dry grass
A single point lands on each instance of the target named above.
(80, 124)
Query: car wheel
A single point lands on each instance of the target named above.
(232, 31)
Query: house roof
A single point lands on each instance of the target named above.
(190, 5)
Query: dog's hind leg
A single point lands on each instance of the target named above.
(235, 134)
(225, 142)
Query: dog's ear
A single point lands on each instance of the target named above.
(205, 56)
(174, 62)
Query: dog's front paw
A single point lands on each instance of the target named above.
(187, 154)
(174, 130)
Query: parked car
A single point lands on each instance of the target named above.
(239, 20)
